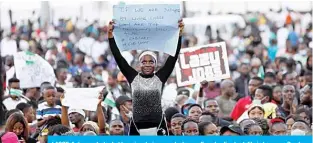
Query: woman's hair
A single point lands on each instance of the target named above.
(247, 127)
(186, 121)
(17, 118)
(59, 130)
(256, 107)
(10, 112)
(307, 63)
(194, 105)
(202, 127)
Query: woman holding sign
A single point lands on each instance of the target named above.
(147, 86)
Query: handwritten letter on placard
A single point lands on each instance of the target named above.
(147, 27)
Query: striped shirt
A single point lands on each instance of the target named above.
(45, 111)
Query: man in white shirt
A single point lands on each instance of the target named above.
(10, 101)
(99, 48)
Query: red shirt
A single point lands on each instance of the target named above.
(241, 106)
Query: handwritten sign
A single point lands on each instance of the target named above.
(32, 70)
(147, 27)
(208, 62)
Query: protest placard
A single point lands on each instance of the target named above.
(196, 64)
(78, 97)
(147, 27)
(32, 70)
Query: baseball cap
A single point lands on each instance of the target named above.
(9, 137)
(80, 111)
(233, 128)
(121, 100)
(183, 91)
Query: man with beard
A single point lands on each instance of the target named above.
(244, 103)
(116, 127)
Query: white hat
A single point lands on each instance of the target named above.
(150, 53)
(80, 111)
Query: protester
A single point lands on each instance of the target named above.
(208, 128)
(147, 79)
(116, 127)
(225, 101)
(253, 129)
(176, 124)
(190, 127)
(231, 130)
(278, 129)
(194, 112)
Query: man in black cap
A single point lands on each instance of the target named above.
(231, 130)
(125, 106)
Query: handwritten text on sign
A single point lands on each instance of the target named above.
(32, 70)
(208, 62)
(147, 27)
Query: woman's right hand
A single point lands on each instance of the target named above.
(110, 30)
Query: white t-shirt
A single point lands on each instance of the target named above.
(10, 104)
(85, 45)
(282, 35)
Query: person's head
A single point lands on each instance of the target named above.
(58, 130)
(79, 58)
(278, 129)
(290, 78)
(253, 129)
(169, 113)
(176, 123)
(86, 78)
(244, 69)
(90, 126)
(263, 124)
(208, 117)
(231, 130)
(264, 93)
(300, 127)
(49, 93)
(289, 93)
(309, 63)
(148, 62)
(212, 106)
(208, 129)
(17, 123)
(306, 95)
(61, 74)
(27, 110)
(112, 80)
(277, 94)
(304, 115)
(228, 88)
(246, 122)
(256, 112)
(76, 116)
(254, 83)
(290, 120)
(10, 112)
(14, 83)
(181, 99)
(124, 101)
(195, 112)
(116, 127)
(190, 127)
(270, 79)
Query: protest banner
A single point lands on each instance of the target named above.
(147, 27)
(32, 70)
(196, 64)
(78, 97)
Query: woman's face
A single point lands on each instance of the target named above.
(87, 128)
(29, 115)
(195, 113)
(18, 128)
(211, 130)
(255, 130)
(256, 113)
(147, 64)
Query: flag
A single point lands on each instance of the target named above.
(261, 72)
(109, 100)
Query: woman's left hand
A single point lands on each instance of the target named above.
(181, 26)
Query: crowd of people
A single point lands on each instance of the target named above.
(269, 92)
